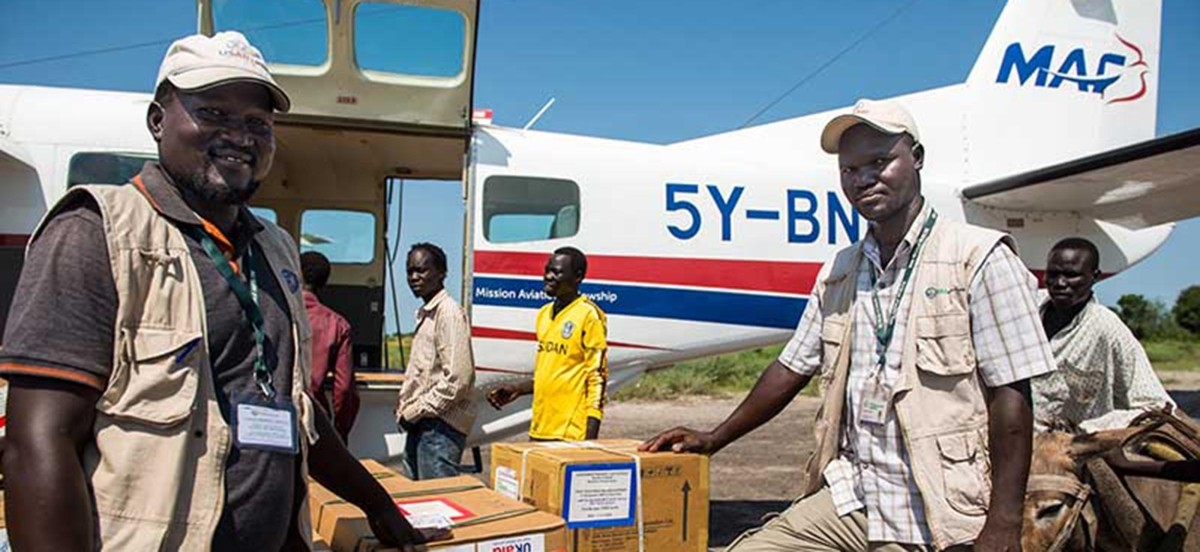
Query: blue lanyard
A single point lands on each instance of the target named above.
(247, 296)
(885, 329)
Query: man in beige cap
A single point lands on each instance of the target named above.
(158, 350)
(925, 335)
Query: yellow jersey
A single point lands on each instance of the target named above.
(570, 371)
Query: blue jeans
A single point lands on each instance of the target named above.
(432, 449)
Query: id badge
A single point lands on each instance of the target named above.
(264, 425)
(874, 403)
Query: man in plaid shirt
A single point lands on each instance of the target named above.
(902, 460)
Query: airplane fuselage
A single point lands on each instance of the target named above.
(696, 248)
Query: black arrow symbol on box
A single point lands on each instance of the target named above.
(687, 488)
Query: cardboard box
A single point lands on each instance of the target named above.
(597, 488)
(481, 520)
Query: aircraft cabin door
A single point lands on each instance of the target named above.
(391, 63)
(381, 90)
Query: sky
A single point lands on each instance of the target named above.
(656, 72)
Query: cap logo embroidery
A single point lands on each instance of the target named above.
(238, 49)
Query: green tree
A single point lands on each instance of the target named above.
(1144, 317)
(1187, 309)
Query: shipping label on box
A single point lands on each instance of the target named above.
(436, 512)
(524, 543)
(597, 487)
(506, 482)
(600, 495)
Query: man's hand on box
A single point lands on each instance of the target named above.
(433, 534)
(393, 530)
(681, 439)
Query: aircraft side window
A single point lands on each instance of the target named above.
(288, 32)
(523, 208)
(398, 39)
(566, 222)
(266, 213)
(104, 168)
(342, 236)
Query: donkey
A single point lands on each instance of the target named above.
(1075, 502)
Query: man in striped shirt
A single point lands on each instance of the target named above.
(435, 408)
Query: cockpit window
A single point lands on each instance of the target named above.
(522, 208)
(104, 168)
(398, 39)
(342, 236)
(287, 32)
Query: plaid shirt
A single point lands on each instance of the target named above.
(1104, 379)
(872, 470)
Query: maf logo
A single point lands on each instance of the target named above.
(1040, 69)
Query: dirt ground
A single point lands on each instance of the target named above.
(754, 476)
(761, 473)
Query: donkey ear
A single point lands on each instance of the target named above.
(1086, 446)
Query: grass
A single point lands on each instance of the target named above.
(718, 376)
(391, 347)
(735, 373)
(1174, 355)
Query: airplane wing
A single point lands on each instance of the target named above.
(1137, 186)
(12, 152)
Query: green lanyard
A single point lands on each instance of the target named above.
(884, 330)
(248, 297)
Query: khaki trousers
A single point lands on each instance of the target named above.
(812, 525)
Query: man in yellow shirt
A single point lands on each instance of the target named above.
(571, 367)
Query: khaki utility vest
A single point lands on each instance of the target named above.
(939, 399)
(156, 465)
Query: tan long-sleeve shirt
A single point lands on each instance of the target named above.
(441, 368)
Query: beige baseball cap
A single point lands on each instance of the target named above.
(200, 62)
(883, 115)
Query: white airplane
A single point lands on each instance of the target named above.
(695, 248)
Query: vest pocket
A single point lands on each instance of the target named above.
(965, 472)
(302, 377)
(944, 344)
(156, 379)
(120, 533)
(833, 331)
